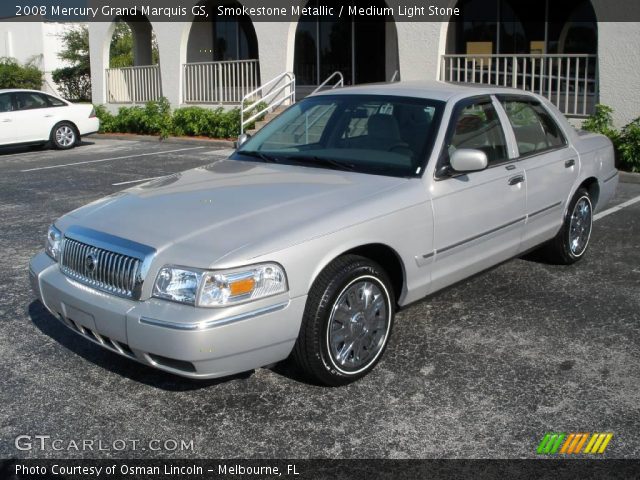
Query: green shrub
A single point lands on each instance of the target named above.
(196, 121)
(156, 118)
(14, 75)
(602, 122)
(626, 142)
(107, 119)
(74, 83)
(229, 124)
(629, 146)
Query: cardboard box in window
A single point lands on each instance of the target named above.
(481, 52)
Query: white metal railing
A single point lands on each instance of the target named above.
(338, 83)
(280, 90)
(133, 84)
(569, 81)
(219, 82)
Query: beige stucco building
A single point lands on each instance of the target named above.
(573, 58)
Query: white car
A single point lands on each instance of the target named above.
(32, 117)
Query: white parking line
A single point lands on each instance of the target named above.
(135, 181)
(28, 154)
(110, 159)
(615, 209)
(24, 154)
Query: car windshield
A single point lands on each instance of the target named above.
(385, 135)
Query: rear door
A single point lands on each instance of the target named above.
(8, 130)
(479, 216)
(550, 163)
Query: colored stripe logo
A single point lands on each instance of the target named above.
(574, 443)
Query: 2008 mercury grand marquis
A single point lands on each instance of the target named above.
(304, 242)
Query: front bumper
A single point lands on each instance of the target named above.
(184, 340)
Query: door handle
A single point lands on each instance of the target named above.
(569, 163)
(48, 116)
(516, 180)
(6, 120)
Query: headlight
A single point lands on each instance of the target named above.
(220, 288)
(54, 240)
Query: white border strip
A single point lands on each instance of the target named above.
(110, 159)
(617, 208)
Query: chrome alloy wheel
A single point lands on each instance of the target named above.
(580, 226)
(65, 136)
(359, 325)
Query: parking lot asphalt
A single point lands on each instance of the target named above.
(481, 370)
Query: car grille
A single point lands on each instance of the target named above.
(100, 268)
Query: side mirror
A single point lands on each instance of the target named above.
(242, 139)
(468, 160)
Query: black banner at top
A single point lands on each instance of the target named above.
(329, 10)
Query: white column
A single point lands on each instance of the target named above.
(275, 48)
(619, 64)
(99, 42)
(172, 45)
(419, 45)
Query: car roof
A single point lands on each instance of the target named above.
(432, 90)
(13, 90)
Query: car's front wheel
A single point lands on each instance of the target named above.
(571, 242)
(347, 321)
(64, 136)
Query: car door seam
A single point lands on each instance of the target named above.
(476, 237)
(542, 210)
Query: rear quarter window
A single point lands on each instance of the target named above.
(535, 130)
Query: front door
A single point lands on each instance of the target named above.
(479, 216)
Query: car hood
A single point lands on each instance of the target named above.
(205, 214)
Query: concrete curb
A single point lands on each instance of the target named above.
(628, 177)
(168, 140)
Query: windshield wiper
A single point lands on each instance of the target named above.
(323, 162)
(262, 156)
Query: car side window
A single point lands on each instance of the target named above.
(477, 126)
(533, 127)
(5, 103)
(30, 101)
(54, 102)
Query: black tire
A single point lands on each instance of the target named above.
(64, 136)
(564, 249)
(312, 352)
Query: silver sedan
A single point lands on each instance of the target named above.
(305, 242)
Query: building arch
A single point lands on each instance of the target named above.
(132, 58)
(144, 50)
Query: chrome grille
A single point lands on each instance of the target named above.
(101, 268)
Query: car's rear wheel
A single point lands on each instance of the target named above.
(347, 321)
(64, 136)
(572, 241)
